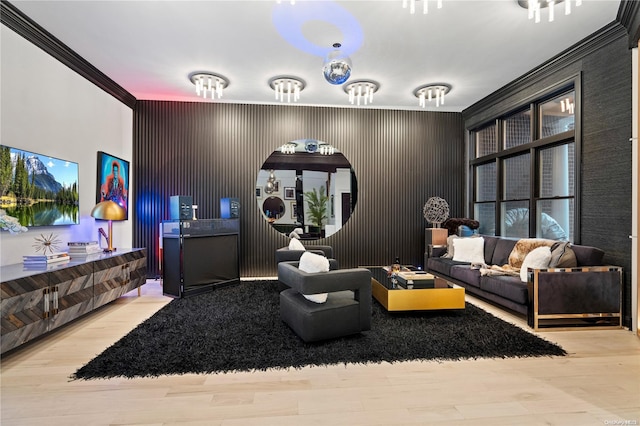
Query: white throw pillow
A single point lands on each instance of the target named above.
(295, 244)
(468, 249)
(537, 259)
(313, 263)
(450, 250)
(294, 234)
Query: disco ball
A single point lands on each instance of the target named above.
(337, 66)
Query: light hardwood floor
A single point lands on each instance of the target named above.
(597, 384)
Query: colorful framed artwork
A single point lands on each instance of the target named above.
(113, 180)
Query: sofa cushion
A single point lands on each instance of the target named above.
(489, 247)
(508, 287)
(468, 250)
(537, 258)
(442, 265)
(501, 253)
(465, 274)
(588, 256)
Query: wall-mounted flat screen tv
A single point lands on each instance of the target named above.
(37, 189)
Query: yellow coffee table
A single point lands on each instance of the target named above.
(426, 293)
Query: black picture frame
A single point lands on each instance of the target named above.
(289, 193)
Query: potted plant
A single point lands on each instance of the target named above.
(317, 205)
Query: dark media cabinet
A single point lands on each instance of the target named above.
(198, 255)
(38, 299)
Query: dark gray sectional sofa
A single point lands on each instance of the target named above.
(589, 294)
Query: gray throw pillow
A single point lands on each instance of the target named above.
(562, 256)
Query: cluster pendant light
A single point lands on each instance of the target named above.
(535, 7)
(287, 88)
(411, 4)
(361, 92)
(567, 106)
(288, 148)
(209, 85)
(431, 92)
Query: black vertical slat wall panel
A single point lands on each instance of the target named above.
(211, 151)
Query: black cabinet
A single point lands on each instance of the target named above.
(199, 255)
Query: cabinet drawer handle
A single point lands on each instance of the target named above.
(55, 300)
(45, 308)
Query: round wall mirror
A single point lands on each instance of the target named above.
(309, 186)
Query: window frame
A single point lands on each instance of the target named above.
(537, 145)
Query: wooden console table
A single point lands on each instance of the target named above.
(36, 300)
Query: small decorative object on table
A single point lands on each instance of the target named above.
(45, 259)
(83, 248)
(436, 211)
(44, 244)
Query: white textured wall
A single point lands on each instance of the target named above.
(48, 109)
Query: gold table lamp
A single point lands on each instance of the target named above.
(109, 210)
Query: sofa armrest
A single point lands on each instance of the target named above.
(436, 251)
(575, 293)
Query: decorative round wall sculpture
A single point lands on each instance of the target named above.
(436, 211)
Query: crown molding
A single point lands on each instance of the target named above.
(14, 19)
(606, 35)
(629, 17)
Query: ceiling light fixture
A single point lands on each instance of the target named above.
(535, 6)
(429, 92)
(208, 84)
(326, 149)
(288, 148)
(336, 66)
(361, 91)
(288, 88)
(567, 106)
(425, 5)
(292, 1)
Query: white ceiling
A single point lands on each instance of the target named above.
(477, 46)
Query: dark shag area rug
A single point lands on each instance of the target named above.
(239, 328)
